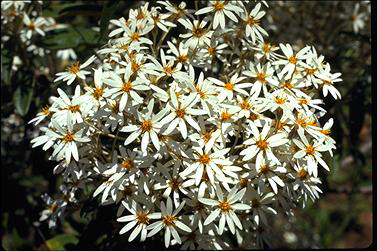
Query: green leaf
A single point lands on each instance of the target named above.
(59, 241)
(22, 100)
(107, 12)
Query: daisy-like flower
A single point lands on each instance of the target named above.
(148, 127)
(226, 208)
(140, 218)
(261, 144)
(231, 86)
(158, 19)
(358, 19)
(327, 80)
(220, 8)
(169, 221)
(166, 69)
(263, 75)
(292, 59)
(203, 89)
(253, 28)
(55, 210)
(125, 87)
(266, 50)
(78, 107)
(33, 25)
(176, 11)
(75, 70)
(269, 171)
(98, 90)
(312, 153)
(260, 204)
(171, 183)
(198, 36)
(135, 34)
(46, 112)
(180, 53)
(180, 113)
(209, 162)
(68, 140)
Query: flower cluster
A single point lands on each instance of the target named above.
(197, 135)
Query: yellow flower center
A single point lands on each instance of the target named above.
(198, 32)
(74, 68)
(245, 105)
(182, 58)
(225, 116)
(142, 218)
(211, 51)
(229, 86)
(68, 137)
(310, 150)
(218, 6)
(127, 86)
(261, 76)
(207, 136)
(243, 182)
(302, 174)
(288, 85)
(174, 184)
(146, 126)
(225, 206)
(127, 164)
(292, 59)
(262, 144)
(251, 21)
(204, 159)
(135, 36)
(169, 220)
(326, 132)
(98, 92)
(264, 169)
(279, 100)
(180, 112)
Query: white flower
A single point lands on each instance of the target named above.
(253, 29)
(198, 36)
(226, 208)
(328, 79)
(169, 221)
(68, 138)
(139, 218)
(209, 161)
(126, 88)
(220, 8)
(180, 113)
(311, 152)
(231, 86)
(33, 25)
(292, 59)
(260, 143)
(75, 70)
(148, 127)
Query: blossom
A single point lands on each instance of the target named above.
(226, 208)
(169, 221)
(75, 70)
(198, 36)
(253, 28)
(220, 8)
(260, 143)
(148, 127)
(139, 218)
